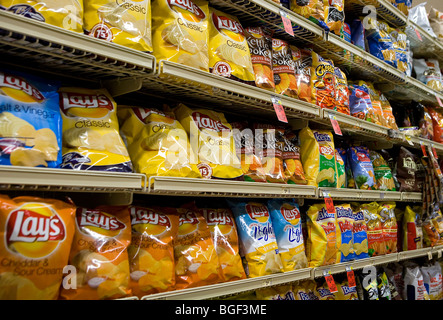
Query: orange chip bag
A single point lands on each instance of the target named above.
(294, 171)
(283, 68)
(302, 63)
(323, 82)
(35, 237)
(342, 92)
(196, 260)
(388, 115)
(224, 234)
(99, 254)
(151, 252)
(376, 240)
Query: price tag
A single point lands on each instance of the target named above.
(335, 124)
(418, 35)
(281, 115)
(286, 22)
(434, 152)
(351, 276)
(439, 101)
(423, 149)
(329, 203)
(330, 281)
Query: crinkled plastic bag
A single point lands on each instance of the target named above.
(283, 68)
(428, 72)
(379, 42)
(345, 228)
(323, 82)
(362, 168)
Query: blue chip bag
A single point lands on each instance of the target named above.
(362, 168)
(358, 34)
(360, 102)
(30, 121)
(360, 235)
(286, 221)
(380, 43)
(345, 224)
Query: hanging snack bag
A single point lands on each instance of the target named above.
(437, 124)
(91, 138)
(30, 121)
(314, 10)
(302, 64)
(428, 72)
(283, 68)
(389, 225)
(260, 46)
(379, 41)
(229, 54)
(412, 228)
(318, 157)
(286, 221)
(383, 174)
(305, 290)
(432, 277)
(280, 292)
(362, 168)
(33, 257)
(360, 105)
(323, 82)
(387, 112)
(376, 240)
(127, 25)
(336, 16)
(151, 252)
(66, 14)
(340, 170)
(293, 167)
(212, 142)
(345, 225)
(99, 254)
(359, 234)
(342, 92)
(345, 292)
(375, 113)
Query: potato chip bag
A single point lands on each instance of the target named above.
(414, 283)
(280, 292)
(412, 228)
(283, 68)
(376, 239)
(302, 64)
(362, 168)
(99, 254)
(305, 290)
(291, 159)
(323, 292)
(345, 292)
(157, 143)
(67, 14)
(260, 46)
(340, 170)
(345, 226)
(375, 110)
(323, 82)
(151, 251)
(212, 142)
(437, 123)
(389, 225)
(360, 105)
(383, 285)
(229, 54)
(342, 92)
(321, 243)
(400, 44)
(379, 41)
(196, 260)
(258, 245)
(336, 16)
(224, 235)
(91, 138)
(35, 237)
(180, 32)
(318, 157)
(286, 221)
(382, 172)
(387, 112)
(30, 121)
(314, 10)
(350, 182)
(359, 234)
(124, 23)
(432, 276)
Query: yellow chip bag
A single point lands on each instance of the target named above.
(321, 244)
(318, 157)
(99, 254)
(66, 14)
(91, 138)
(125, 23)
(281, 292)
(212, 142)
(229, 54)
(157, 143)
(151, 252)
(180, 32)
(35, 237)
(412, 228)
(305, 290)
(345, 292)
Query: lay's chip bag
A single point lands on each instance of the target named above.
(284, 68)
(258, 245)
(35, 237)
(229, 54)
(151, 252)
(124, 23)
(360, 235)
(30, 121)
(66, 14)
(180, 32)
(286, 221)
(91, 138)
(99, 254)
(345, 226)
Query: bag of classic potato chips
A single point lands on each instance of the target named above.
(389, 225)
(323, 82)
(376, 240)
(229, 54)
(318, 157)
(151, 252)
(66, 14)
(212, 142)
(286, 221)
(382, 172)
(180, 32)
(321, 243)
(91, 138)
(302, 64)
(35, 237)
(345, 226)
(30, 121)
(125, 23)
(359, 234)
(283, 68)
(258, 245)
(362, 168)
(99, 254)
(157, 143)
(412, 228)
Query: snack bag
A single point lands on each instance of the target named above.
(30, 121)
(33, 257)
(436, 22)
(305, 290)
(376, 240)
(151, 252)
(323, 292)
(157, 143)
(258, 245)
(323, 82)
(345, 292)
(379, 41)
(400, 43)
(283, 68)
(281, 292)
(180, 32)
(66, 14)
(318, 157)
(294, 173)
(99, 254)
(196, 260)
(342, 92)
(387, 112)
(402, 5)
(212, 142)
(367, 288)
(127, 25)
(336, 16)
(260, 46)
(406, 171)
(360, 105)
(286, 221)
(321, 244)
(437, 124)
(383, 285)
(340, 170)
(432, 277)
(375, 112)
(302, 65)
(382, 172)
(362, 168)
(314, 10)
(359, 234)
(412, 228)
(389, 225)
(224, 235)
(350, 182)
(428, 72)
(414, 284)
(229, 54)
(91, 138)
(345, 226)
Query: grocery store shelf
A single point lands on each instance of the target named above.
(423, 46)
(412, 196)
(384, 8)
(359, 195)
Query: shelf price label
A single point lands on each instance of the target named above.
(408, 139)
(329, 203)
(330, 281)
(439, 101)
(351, 276)
(335, 124)
(281, 115)
(286, 22)
(423, 149)
(418, 35)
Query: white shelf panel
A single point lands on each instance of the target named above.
(360, 195)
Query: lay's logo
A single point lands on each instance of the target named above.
(18, 83)
(188, 218)
(98, 219)
(81, 100)
(203, 121)
(147, 216)
(290, 214)
(215, 217)
(257, 212)
(221, 22)
(187, 5)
